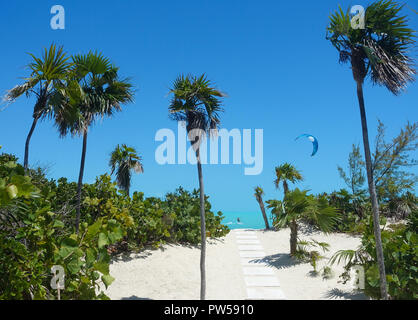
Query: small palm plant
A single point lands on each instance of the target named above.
(46, 72)
(259, 192)
(93, 91)
(286, 173)
(198, 103)
(298, 205)
(124, 160)
(381, 51)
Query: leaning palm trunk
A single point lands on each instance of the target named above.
(80, 180)
(373, 197)
(263, 211)
(202, 230)
(26, 159)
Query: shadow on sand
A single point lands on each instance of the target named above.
(350, 295)
(134, 298)
(279, 261)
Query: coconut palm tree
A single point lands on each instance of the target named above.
(298, 205)
(46, 71)
(95, 91)
(123, 160)
(286, 173)
(259, 192)
(380, 51)
(197, 103)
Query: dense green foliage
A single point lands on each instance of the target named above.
(37, 230)
(33, 238)
(401, 259)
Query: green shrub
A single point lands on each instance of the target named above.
(400, 249)
(33, 239)
(37, 230)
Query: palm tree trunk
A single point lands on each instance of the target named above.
(260, 201)
(26, 159)
(202, 230)
(372, 191)
(293, 226)
(285, 188)
(293, 237)
(80, 180)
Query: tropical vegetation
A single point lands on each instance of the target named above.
(379, 50)
(37, 230)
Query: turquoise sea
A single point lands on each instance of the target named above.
(250, 220)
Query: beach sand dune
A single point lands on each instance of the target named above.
(172, 272)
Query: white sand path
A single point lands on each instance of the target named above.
(173, 273)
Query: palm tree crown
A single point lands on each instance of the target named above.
(47, 72)
(123, 160)
(380, 50)
(196, 102)
(287, 173)
(258, 193)
(297, 204)
(94, 91)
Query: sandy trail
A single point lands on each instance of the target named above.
(172, 272)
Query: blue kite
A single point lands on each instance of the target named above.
(313, 140)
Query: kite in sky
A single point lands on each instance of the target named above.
(313, 140)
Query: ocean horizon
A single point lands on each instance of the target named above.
(247, 220)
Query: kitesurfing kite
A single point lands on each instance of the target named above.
(313, 140)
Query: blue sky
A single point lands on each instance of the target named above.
(271, 58)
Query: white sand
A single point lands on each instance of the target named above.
(173, 272)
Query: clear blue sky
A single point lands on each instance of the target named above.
(271, 57)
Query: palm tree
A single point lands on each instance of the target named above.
(95, 91)
(298, 205)
(286, 173)
(197, 103)
(46, 71)
(259, 192)
(380, 51)
(123, 160)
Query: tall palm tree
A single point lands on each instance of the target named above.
(259, 192)
(380, 51)
(197, 103)
(286, 173)
(297, 205)
(123, 160)
(46, 71)
(95, 91)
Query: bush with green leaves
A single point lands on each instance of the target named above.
(33, 238)
(400, 248)
(149, 221)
